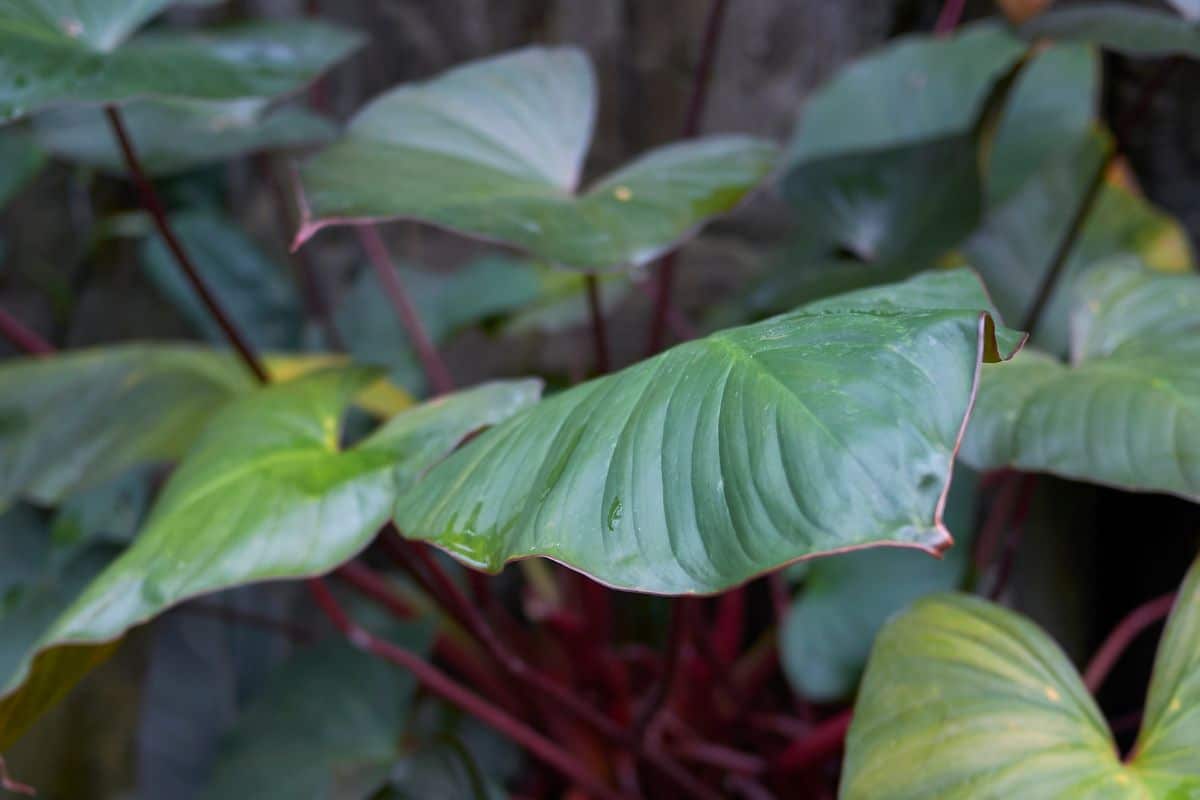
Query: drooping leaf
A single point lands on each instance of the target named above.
(256, 291)
(329, 711)
(77, 420)
(54, 52)
(1125, 27)
(20, 161)
(1125, 411)
(885, 158)
(1017, 243)
(963, 698)
(173, 136)
(826, 429)
(845, 599)
(265, 493)
(494, 149)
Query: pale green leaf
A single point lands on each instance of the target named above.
(494, 149)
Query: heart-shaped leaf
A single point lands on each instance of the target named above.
(54, 52)
(110, 409)
(495, 148)
(826, 429)
(845, 599)
(264, 494)
(1125, 411)
(173, 136)
(1127, 28)
(963, 698)
(885, 159)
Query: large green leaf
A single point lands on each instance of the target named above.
(845, 599)
(965, 699)
(1124, 27)
(885, 159)
(265, 493)
(285, 746)
(826, 429)
(21, 159)
(256, 291)
(173, 136)
(80, 419)
(1125, 411)
(56, 52)
(495, 148)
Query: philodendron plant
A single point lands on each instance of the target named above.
(808, 483)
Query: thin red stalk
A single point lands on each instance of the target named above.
(1127, 630)
(1027, 484)
(721, 757)
(21, 337)
(389, 279)
(154, 205)
(729, 625)
(9, 785)
(749, 788)
(452, 692)
(599, 329)
(681, 616)
(951, 15)
(370, 584)
(443, 590)
(691, 126)
(991, 532)
(822, 742)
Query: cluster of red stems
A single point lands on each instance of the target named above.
(709, 716)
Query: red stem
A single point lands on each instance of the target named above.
(681, 617)
(1122, 636)
(599, 330)
(822, 742)
(153, 204)
(691, 126)
(951, 15)
(449, 690)
(375, 587)
(444, 591)
(1027, 484)
(21, 337)
(9, 785)
(389, 279)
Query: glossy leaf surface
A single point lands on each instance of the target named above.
(264, 494)
(54, 52)
(965, 699)
(829, 428)
(1125, 411)
(494, 149)
(171, 137)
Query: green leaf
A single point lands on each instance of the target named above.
(829, 428)
(264, 494)
(1124, 27)
(257, 292)
(965, 699)
(1015, 246)
(1126, 410)
(1188, 8)
(54, 53)
(495, 148)
(827, 635)
(109, 408)
(1051, 109)
(22, 160)
(885, 158)
(174, 136)
(285, 746)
